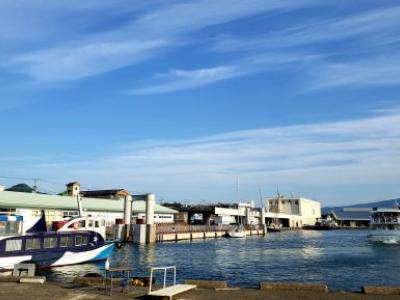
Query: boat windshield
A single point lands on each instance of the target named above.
(8, 228)
(386, 226)
(386, 217)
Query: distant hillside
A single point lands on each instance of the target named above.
(384, 203)
(21, 187)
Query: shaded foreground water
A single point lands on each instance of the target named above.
(341, 258)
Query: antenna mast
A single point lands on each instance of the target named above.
(237, 188)
(35, 180)
(261, 199)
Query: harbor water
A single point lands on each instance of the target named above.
(344, 259)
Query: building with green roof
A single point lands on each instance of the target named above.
(56, 207)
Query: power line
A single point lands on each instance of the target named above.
(20, 178)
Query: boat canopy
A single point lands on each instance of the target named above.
(9, 218)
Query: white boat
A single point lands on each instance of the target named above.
(82, 223)
(236, 232)
(385, 226)
(274, 227)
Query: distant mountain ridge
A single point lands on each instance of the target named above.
(383, 203)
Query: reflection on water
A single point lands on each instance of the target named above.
(342, 258)
(309, 252)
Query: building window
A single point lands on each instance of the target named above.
(70, 214)
(50, 242)
(13, 245)
(32, 244)
(66, 241)
(296, 202)
(96, 224)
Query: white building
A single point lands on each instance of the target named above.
(290, 212)
(300, 211)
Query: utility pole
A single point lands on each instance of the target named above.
(35, 180)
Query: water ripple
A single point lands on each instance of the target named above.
(341, 258)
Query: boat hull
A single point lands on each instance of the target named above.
(54, 259)
(236, 233)
(385, 236)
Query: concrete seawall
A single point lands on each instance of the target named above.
(179, 236)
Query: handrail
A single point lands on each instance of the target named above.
(165, 275)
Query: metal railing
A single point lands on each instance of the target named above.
(165, 275)
(386, 220)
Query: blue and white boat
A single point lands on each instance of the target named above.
(48, 249)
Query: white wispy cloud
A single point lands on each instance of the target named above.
(79, 61)
(196, 15)
(308, 157)
(186, 79)
(371, 72)
(376, 27)
(176, 80)
(373, 34)
(136, 40)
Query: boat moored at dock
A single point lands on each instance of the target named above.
(385, 225)
(49, 249)
(236, 232)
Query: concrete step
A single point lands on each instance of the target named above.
(172, 290)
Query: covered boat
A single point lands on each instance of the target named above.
(48, 249)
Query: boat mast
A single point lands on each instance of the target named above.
(238, 198)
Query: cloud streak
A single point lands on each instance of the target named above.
(134, 41)
(374, 27)
(370, 73)
(177, 80)
(307, 157)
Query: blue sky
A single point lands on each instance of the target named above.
(181, 97)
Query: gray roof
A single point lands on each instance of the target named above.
(41, 201)
(351, 215)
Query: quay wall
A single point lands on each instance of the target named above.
(192, 235)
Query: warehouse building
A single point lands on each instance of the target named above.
(57, 207)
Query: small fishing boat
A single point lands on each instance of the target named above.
(322, 225)
(48, 248)
(385, 225)
(82, 223)
(236, 232)
(274, 227)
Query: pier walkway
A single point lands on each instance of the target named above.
(50, 291)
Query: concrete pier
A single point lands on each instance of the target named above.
(145, 233)
(209, 291)
(150, 226)
(127, 217)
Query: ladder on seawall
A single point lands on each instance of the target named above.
(168, 291)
